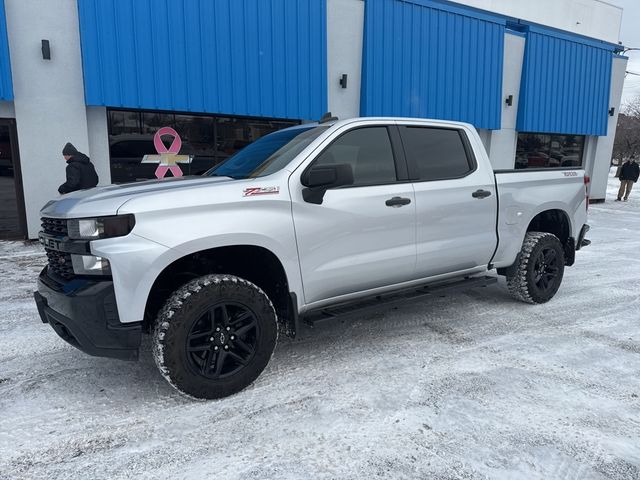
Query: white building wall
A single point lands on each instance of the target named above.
(7, 110)
(99, 143)
(485, 138)
(589, 154)
(504, 141)
(592, 18)
(49, 95)
(345, 24)
(604, 147)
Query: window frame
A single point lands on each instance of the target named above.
(397, 152)
(414, 168)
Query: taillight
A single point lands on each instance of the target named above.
(587, 181)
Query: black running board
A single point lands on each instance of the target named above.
(375, 302)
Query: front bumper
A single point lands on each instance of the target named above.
(84, 313)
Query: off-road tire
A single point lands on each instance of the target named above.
(187, 309)
(522, 277)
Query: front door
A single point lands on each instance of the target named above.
(358, 238)
(12, 214)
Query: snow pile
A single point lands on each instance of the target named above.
(471, 385)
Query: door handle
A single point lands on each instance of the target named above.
(481, 194)
(397, 202)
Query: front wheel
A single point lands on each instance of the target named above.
(538, 271)
(214, 336)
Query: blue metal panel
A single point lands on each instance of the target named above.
(426, 59)
(6, 85)
(240, 57)
(565, 85)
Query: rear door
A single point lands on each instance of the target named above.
(358, 238)
(456, 201)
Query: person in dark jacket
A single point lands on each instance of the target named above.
(80, 171)
(629, 174)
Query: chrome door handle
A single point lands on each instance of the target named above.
(397, 202)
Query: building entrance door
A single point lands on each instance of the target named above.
(12, 213)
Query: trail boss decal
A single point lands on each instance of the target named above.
(255, 191)
(570, 174)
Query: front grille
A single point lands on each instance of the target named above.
(54, 226)
(60, 263)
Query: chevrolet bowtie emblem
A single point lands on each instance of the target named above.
(167, 158)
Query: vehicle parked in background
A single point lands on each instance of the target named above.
(314, 221)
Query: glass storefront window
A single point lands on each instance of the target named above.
(124, 122)
(152, 122)
(536, 150)
(210, 139)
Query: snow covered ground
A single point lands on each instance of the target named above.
(471, 385)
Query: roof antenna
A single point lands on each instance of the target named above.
(327, 117)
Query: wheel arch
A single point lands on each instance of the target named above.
(557, 222)
(254, 263)
(552, 219)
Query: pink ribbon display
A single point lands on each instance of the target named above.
(173, 149)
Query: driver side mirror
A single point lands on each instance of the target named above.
(320, 178)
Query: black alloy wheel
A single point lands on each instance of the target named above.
(537, 274)
(546, 269)
(223, 340)
(214, 336)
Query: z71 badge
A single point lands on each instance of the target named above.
(255, 191)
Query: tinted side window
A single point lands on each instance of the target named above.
(437, 152)
(368, 151)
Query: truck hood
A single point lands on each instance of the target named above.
(107, 200)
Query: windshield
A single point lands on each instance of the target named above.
(268, 154)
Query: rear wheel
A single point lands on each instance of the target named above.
(539, 268)
(214, 336)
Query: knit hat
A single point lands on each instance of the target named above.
(69, 149)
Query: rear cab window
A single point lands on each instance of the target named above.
(435, 153)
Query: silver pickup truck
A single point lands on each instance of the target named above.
(313, 221)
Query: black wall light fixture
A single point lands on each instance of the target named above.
(343, 80)
(612, 111)
(509, 100)
(46, 50)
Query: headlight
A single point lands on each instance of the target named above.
(90, 265)
(101, 227)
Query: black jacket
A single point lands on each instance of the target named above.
(630, 171)
(80, 174)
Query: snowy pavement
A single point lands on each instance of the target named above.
(470, 385)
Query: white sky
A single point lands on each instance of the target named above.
(630, 37)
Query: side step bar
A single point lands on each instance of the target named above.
(373, 303)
